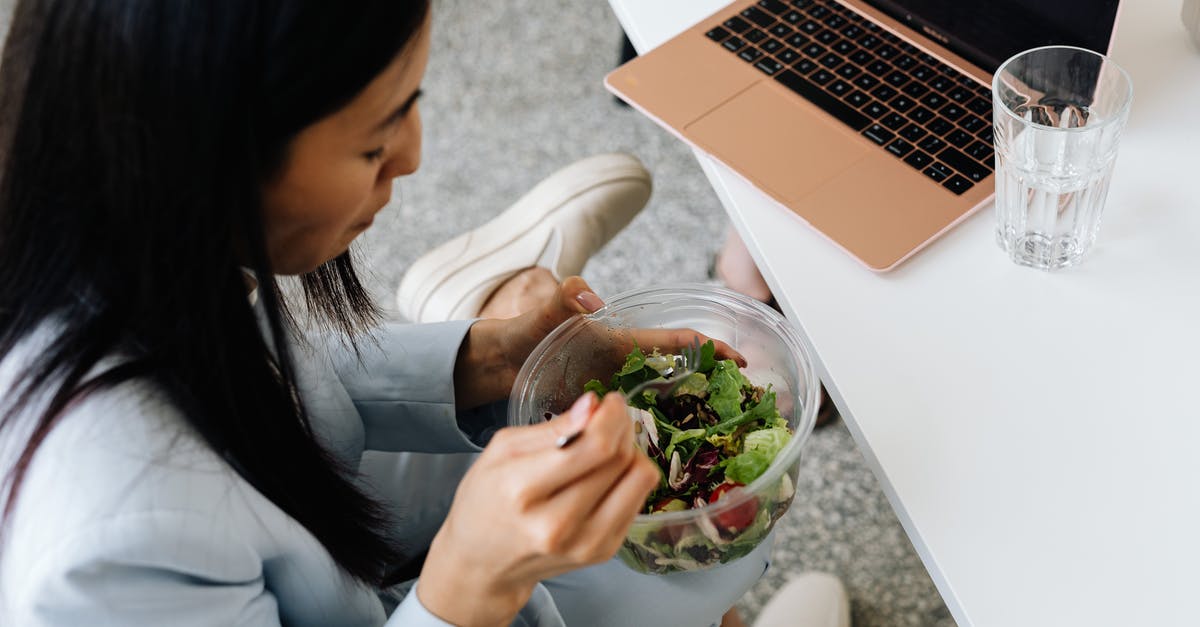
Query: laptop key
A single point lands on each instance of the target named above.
(981, 107)
(862, 57)
(800, 4)
(787, 56)
(826, 37)
(848, 71)
(853, 31)
(953, 112)
(750, 55)
(972, 124)
(928, 58)
(733, 44)
(896, 79)
(774, 6)
(884, 92)
(986, 135)
(981, 152)
(879, 68)
(769, 66)
(844, 48)
(899, 148)
(915, 89)
(836, 21)
(922, 72)
(771, 46)
(878, 134)
(804, 66)
(737, 25)
(933, 101)
(943, 83)
(959, 138)
(831, 60)
(874, 109)
(793, 17)
(904, 61)
(717, 34)
(869, 42)
(823, 100)
(918, 159)
(913, 133)
(810, 27)
(866, 81)
(797, 40)
(902, 103)
(857, 99)
(937, 172)
(960, 95)
(819, 12)
(940, 126)
(886, 52)
(920, 115)
(840, 88)
(969, 167)
(894, 121)
(754, 35)
(756, 15)
(958, 185)
(781, 31)
(932, 145)
(813, 50)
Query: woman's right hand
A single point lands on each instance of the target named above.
(528, 510)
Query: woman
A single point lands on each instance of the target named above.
(173, 452)
(167, 463)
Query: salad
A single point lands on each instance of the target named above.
(715, 433)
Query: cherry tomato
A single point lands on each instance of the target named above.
(737, 518)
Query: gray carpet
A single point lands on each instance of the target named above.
(514, 92)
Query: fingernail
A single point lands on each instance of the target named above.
(591, 303)
(582, 410)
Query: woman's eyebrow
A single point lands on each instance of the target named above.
(400, 112)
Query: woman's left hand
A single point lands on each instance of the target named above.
(495, 350)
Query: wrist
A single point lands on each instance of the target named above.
(464, 592)
(483, 372)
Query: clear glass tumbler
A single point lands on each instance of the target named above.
(1059, 112)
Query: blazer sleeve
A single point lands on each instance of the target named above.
(401, 382)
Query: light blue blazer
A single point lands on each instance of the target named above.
(127, 518)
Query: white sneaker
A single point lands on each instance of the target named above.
(810, 600)
(558, 225)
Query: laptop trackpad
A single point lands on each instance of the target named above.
(787, 147)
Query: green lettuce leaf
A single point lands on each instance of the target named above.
(595, 386)
(725, 389)
(695, 384)
(767, 441)
(747, 467)
(763, 410)
(634, 361)
(708, 357)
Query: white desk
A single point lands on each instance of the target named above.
(1036, 433)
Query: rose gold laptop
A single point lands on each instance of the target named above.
(870, 119)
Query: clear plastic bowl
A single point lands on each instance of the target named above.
(594, 346)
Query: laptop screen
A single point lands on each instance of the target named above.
(988, 32)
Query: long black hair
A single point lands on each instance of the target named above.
(135, 140)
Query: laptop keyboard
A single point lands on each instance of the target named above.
(935, 118)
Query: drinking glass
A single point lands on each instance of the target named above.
(1058, 112)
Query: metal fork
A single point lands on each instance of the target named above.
(687, 363)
